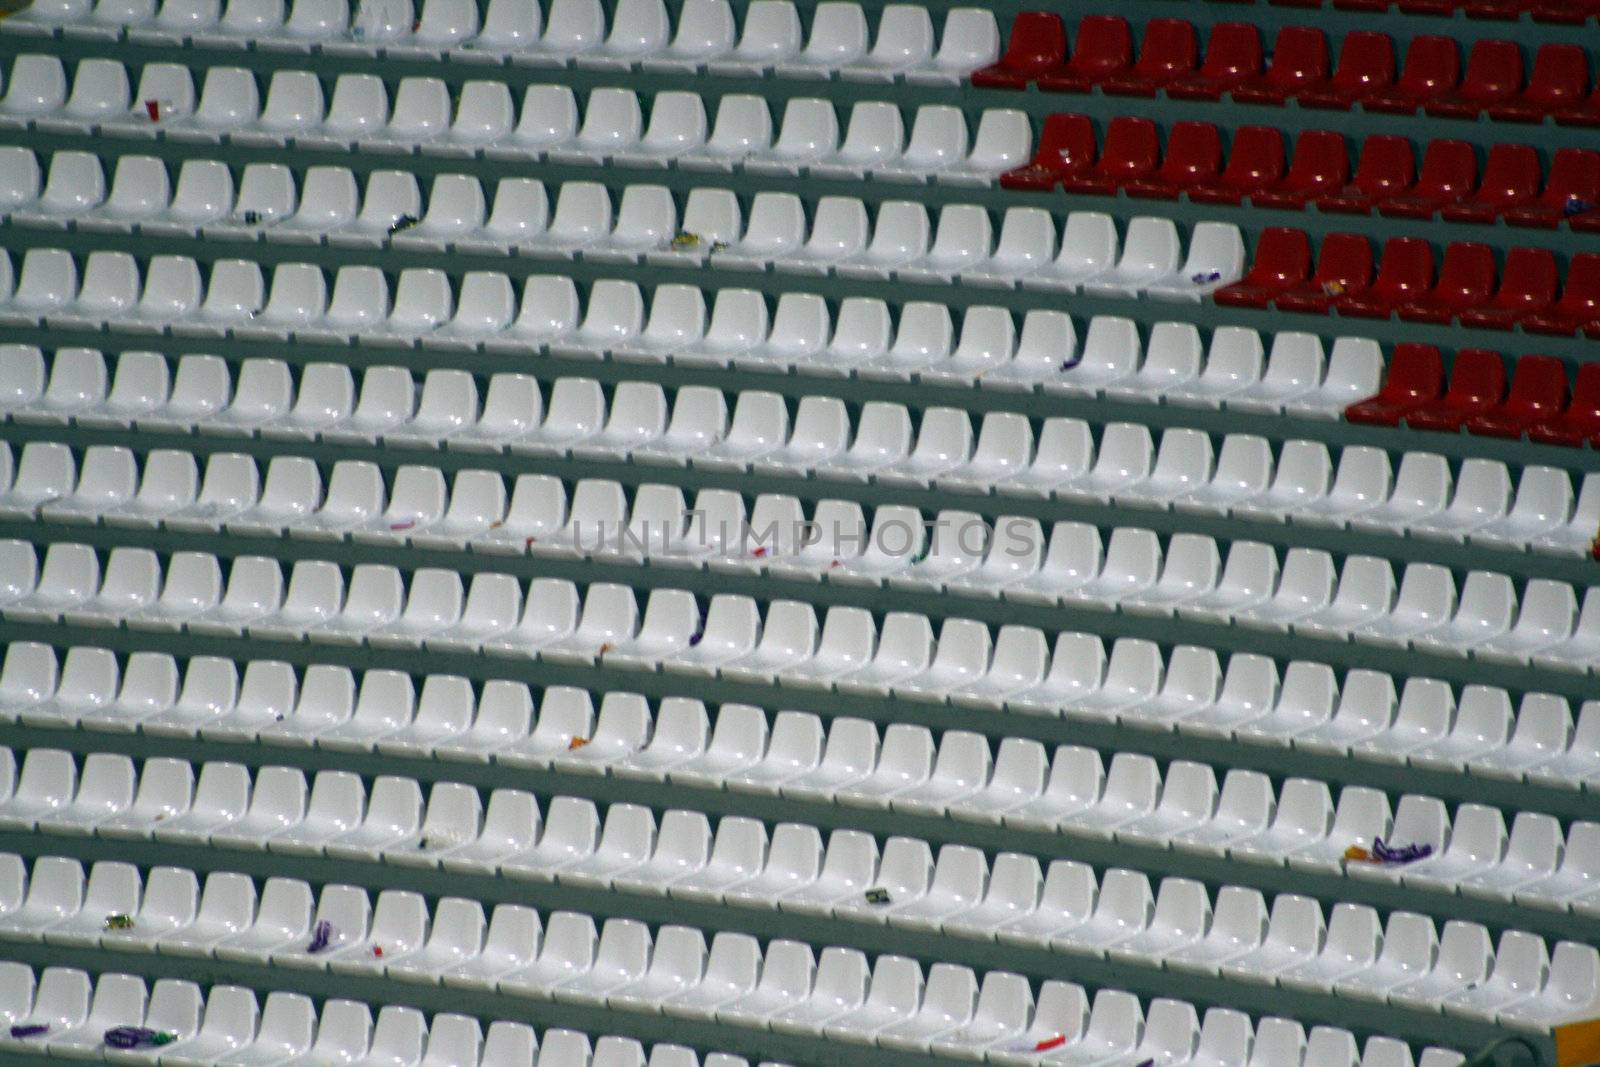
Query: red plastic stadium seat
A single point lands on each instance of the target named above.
(1361, 5)
(1168, 52)
(1510, 178)
(1320, 165)
(1299, 60)
(1283, 259)
(1428, 7)
(1416, 377)
(1585, 112)
(1528, 282)
(1385, 170)
(1466, 280)
(1559, 80)
(1569, 12)
(1233, 56)
(1432, 68)
(1494, 75)
(1366, 66)
(1344, 269)
(1477, 384)
(1573, 189)
(1066, 147)
(1038, 43)
(1581, 420)
(1255, 161)
(1193, 157)
(1538, 393)
(1132, 149)
(1449, 174)
(1104, 48)
(1507, 10)
(1404, 275)
(1580, 299)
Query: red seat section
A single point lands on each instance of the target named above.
(1299, 61)
(1066, 147)
(1581, 419)
(1432, 68)
(1132, 150)
(1194, 157)
(1538, 393)
(1168, 52)
(1572, 189)
(1579, 305)
(1405, 274)
(1103, 49)
(1559, 80)
(1510, 178)
(1528, 283)
(1466, 280)
(1385, 170)
(1344, 269)
(1283, 259)
(1494, 75)
(1320, 166)
(1449, 174)
(1233, 56)
(1416, 377)
(1477, 385)
(1038, 43)
(1255, 161)
(1366, 66)
(1585, 112)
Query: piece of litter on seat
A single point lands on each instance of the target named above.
(26, 1030)
(402, 224)
(1072, 361)
(1039, 1046)
(406, 524)
(119, 921)
(877, 896)
(377, 951)
(699, 631)
(576, 743)
(131, 1037)
(1206, 276)
(321, 936)
(1387, 854)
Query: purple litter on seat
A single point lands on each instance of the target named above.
(321, 934)
(1384, 853)
(131, 1037)
(22, 1030)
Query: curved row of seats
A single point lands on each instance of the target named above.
(1344, 282)
(638, 34)
(676, 970)
(1306, 594)
(1066, 907)
(1477, 399)
(1062, 909)
(956, 551)
(842, 762)
(1318, 174)
(1298, 68)
(1480, 503)
(230, 1025)
(172, 295)
(1238, 935)
(88, 690)
(1557, 11)
(991, 349)
(1241, 476)
(931, 143)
